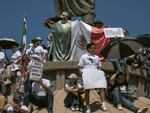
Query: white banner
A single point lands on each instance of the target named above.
(113, 32)
(93, 78)
(36, 70)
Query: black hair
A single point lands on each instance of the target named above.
(17, 97)
(89, 45)
(98, 21)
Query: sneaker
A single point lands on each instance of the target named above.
(72, 108)
(88, 109)
(119, 107)
(144, 110)
(103, 107)
(77, 108)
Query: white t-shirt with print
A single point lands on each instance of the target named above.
(89, 61)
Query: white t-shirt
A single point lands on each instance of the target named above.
(28, 51)
(2, 59)
(29, 65)
(37, 50)
(89, 61)
(15, 55)
(2, 56)
(38, 88)
(13, 58)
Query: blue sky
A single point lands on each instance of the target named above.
(130, 14)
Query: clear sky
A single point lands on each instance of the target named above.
(133, 15)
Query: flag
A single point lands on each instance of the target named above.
(70, 40)
(23, 40)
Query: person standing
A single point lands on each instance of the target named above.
(15, 58)
(14, 64)
(91, 61)
(37, 48)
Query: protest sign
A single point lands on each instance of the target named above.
(113, 32)
(93, 78)
(36, 70)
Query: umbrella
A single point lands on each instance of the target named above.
(144, 40)
(6, 43)
(120, 48)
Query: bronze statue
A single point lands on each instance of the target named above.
(83, 8)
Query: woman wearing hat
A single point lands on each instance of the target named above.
(73, 89)
(37, 48)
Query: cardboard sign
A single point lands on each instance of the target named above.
(113, 32)
(36, 70)
(93, 78)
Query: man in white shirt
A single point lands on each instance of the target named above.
(41, 95)
(91, 61)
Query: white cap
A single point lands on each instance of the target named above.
(38, 38)
(73, 76)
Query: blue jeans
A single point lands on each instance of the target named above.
(40, 101)
(119, 99)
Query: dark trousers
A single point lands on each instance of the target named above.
(72, 100)
(40, 101)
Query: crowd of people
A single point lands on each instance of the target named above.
(16, 75)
